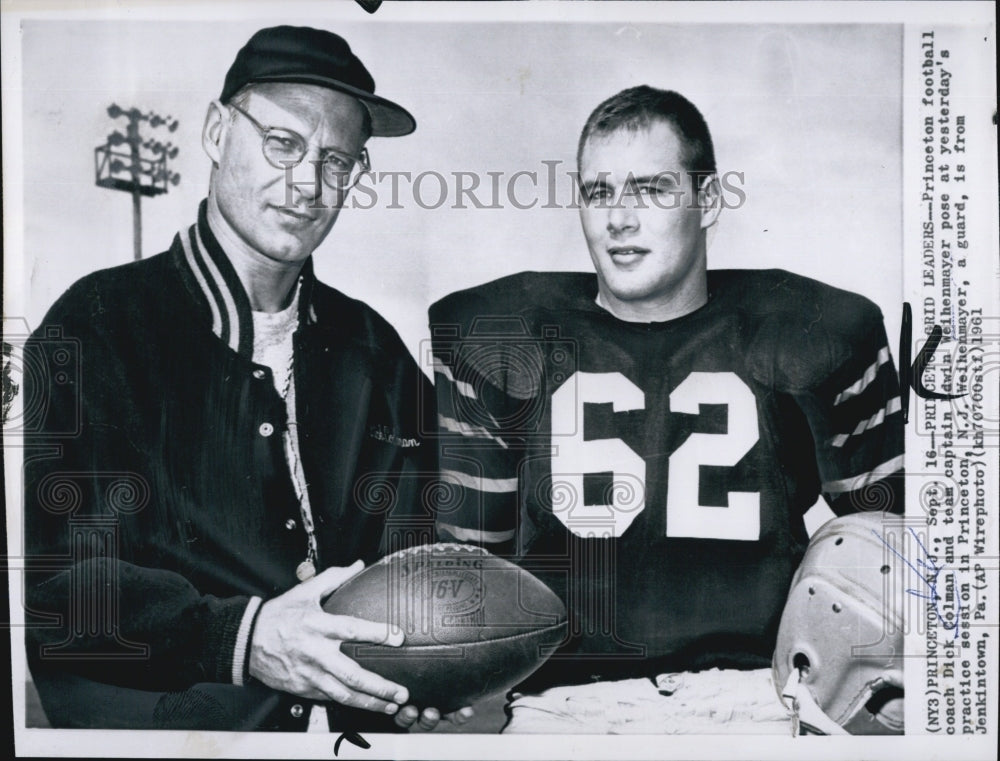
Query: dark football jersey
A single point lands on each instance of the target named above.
(656, 474)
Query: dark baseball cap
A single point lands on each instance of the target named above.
(310, 56)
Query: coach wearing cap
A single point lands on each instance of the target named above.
(202, 476)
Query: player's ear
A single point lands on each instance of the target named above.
(709, 199)
(212, 132)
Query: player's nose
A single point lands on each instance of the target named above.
(622, 218)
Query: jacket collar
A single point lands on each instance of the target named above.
(212, 280)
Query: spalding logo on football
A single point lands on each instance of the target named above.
(474, 623)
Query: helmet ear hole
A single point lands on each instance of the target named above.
(801, 662)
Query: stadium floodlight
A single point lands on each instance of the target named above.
(136, 164)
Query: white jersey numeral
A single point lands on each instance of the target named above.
(685, 516)
(573, 456)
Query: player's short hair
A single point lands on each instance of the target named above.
(638, 107)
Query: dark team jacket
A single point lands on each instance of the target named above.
(656, 475)
(158, 499)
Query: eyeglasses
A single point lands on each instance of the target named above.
(284, 149)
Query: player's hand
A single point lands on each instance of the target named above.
(296, 648)
(429, 718)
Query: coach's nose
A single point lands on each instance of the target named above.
(305, 179)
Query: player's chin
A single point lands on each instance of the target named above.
(631, 276)
(628, 289)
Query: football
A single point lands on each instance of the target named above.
(474, 624)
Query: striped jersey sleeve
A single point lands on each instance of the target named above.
(480, 451)
(856, 418)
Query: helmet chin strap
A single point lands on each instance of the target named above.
(860, 719)
(809, 718)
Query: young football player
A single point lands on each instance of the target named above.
(647, 438)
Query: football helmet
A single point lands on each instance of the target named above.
(838, 662)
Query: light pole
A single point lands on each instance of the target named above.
(137, 166)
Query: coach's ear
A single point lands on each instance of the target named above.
(709, 199)
(213, 130)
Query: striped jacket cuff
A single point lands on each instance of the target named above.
(242, 647)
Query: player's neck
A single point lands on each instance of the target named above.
(663, 308)
(269, 284)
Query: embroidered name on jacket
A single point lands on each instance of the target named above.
(384, 433)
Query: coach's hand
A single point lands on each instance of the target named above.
(296, 648)
(429, 718)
